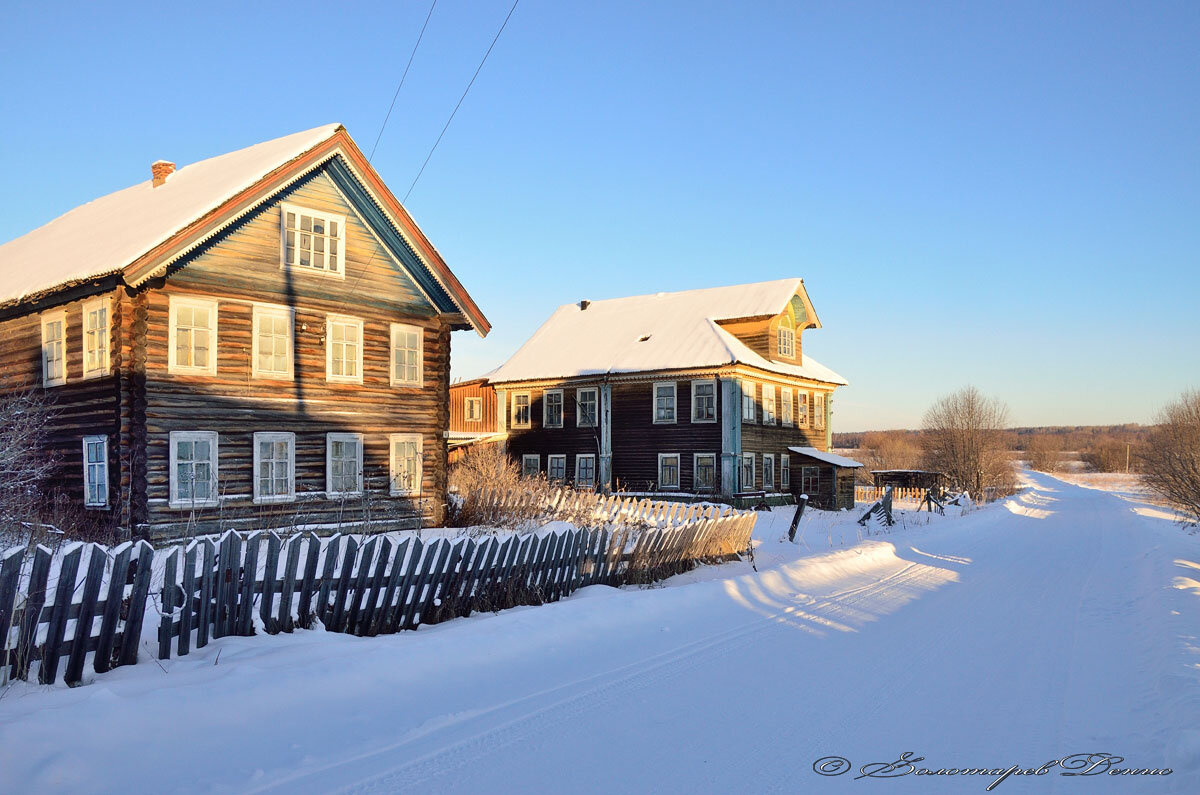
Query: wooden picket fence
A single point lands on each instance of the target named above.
(875, 493)
(242, 584)
(585, 508)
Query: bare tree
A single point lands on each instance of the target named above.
(1171, 461)
(1043, 453)
(964, 438)
(24, 465)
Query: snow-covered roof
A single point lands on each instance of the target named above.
(664, 331)
(828, 458)
(105, 235)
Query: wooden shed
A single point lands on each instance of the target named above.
(827, 478)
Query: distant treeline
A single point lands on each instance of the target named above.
(1100, 448)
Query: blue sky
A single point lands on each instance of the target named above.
(999, 194)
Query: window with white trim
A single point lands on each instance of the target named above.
(193, 336)
(404, 463)
(95, 338)
(343, 349)
(810, 480)
(747, 471)
(54, 348)
(313, 240)
(473, 409)
(768, 471)
(531, 465)
(802, 410)
(787, 342)
(585, 471)
(587, 407)
(407, 354)
(343, 464)
(552, 408)
(274, 467)
(785, 405)
(520, 410)
(785, 471)
(748, 401)
(819, 409)
(768, 404)
(668, 470)
(664, 402)
(704, 472)
(193, 460)
(704, 401)
(271, 354)
(556, 468)
(95, 471)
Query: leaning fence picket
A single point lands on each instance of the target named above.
(165, 625)
(137, 605)
(270, 584)
(63, 592)
(87, 611)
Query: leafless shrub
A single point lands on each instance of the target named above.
(1171, 462)
(964, 438)
(24, 465)
(1043, 453)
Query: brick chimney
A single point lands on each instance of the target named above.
(161, 169)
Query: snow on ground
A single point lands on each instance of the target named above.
(1129, 487)
(1054, 623)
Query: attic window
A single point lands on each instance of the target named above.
(787, 342)
(313, 240)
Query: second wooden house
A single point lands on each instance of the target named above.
(700, 392)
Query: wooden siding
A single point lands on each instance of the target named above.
(242, 267)
(569, 439)
(472, 389)
(80, 407)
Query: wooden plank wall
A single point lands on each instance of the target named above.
(474, 389)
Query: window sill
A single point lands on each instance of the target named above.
(190, 505)
(273, 376)
(704, 422)
(341, 379)
(666, 422)
(274, 500)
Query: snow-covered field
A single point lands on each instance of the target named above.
(1059, 622)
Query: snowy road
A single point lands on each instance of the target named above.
(1058, 623)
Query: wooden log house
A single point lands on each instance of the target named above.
(472, 417)
(257, 339)
(695, 392)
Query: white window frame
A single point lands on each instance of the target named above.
(273, 437)
(330, 438)
(103, 336)
(697, 383)
(749, 400)
(674, 403)
(213, 439)
(819, 410)
(696, 468)
(748, 458)
(526, 459)
(802, 417)
(579, 457)
(528, 407)
(787, 407)
(579, 407)
(343, 320)
(550, 459)
(788, 350)
(785, 471)
(406, 328)
(392, 471)
(678, 473)
(58, 316)
(175, 303)
(562, 408)
(468, 414)
(284, 209)
(768, 467)
(100, 466)
(275, 312)
(768, 404)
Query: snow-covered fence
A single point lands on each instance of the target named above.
(875, 493)
(506, 506)
(243, 584)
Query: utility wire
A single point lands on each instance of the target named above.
(460, 100)
(407, 66)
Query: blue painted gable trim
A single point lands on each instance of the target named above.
(373, 217)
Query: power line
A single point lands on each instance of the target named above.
(460, 100)
(402, 77)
